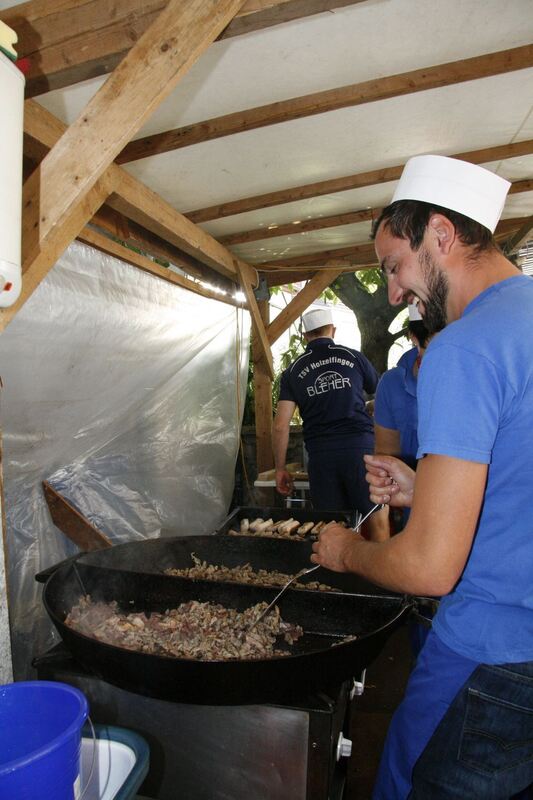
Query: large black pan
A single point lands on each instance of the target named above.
(157, 555)
(319, 660)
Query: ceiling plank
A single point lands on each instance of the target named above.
(417, 80)
(300, 226)
(135, 199)
(357, 181)
(68, 41)
(261, 346)
(320, 281)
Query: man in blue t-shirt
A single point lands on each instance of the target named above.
(395, 408)
(465, 726)
(327, 383)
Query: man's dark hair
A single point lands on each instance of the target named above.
(418, 329)
(316, 333)
(408, 219)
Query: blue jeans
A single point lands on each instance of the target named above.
(439, 680)
(483, 748)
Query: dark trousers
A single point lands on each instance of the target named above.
(337, 480)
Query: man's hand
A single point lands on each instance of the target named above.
(336, 548)
(391, 481)
(284, 482)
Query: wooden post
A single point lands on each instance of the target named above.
(263, 404)
(6, 666)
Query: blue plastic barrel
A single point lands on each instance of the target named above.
(40, 740)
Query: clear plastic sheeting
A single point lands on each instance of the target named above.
(126, 393)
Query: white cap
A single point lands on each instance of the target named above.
(458, 185)
(414, 313)
(316, 318)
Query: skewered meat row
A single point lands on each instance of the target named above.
(193, 630)
(242, 574)
(286, 529)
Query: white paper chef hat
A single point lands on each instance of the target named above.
(414, 313)
(316, 318)
(471, 190)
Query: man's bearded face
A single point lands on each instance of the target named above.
(434, 315)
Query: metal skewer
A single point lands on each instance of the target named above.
(269, 607)
(302, 572)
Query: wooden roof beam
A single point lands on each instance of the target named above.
(44, 129)
(300, 226)
(175, 40)
(68, 41)
(320, 281)
(518, 239)
(344, 184)
(320, 223)
(356, 94)
(120, 227)
(353, 258)
(116, 250)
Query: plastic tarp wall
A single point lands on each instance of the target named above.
(126, 393)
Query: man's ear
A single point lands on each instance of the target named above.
(442, 233)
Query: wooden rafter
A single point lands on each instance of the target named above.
(107, 245)
(417, 80)
(320, 281)
(142, 205)
(357, 181)
(283, 277)
(320, 223)
(518, 239)
(136, 202)
(361, 253)
(68, 41)
(165, 52)
(300, 226)
(130, 233)
(355, 257)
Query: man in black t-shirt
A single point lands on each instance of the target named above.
(328, 383)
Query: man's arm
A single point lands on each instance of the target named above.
(280, 442)
(429, 555)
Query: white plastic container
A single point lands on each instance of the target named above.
(12, 83)
(113, 763)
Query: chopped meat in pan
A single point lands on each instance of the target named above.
(242, 574)
(194, 630)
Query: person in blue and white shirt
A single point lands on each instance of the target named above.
(328, 384)
(464, 729)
